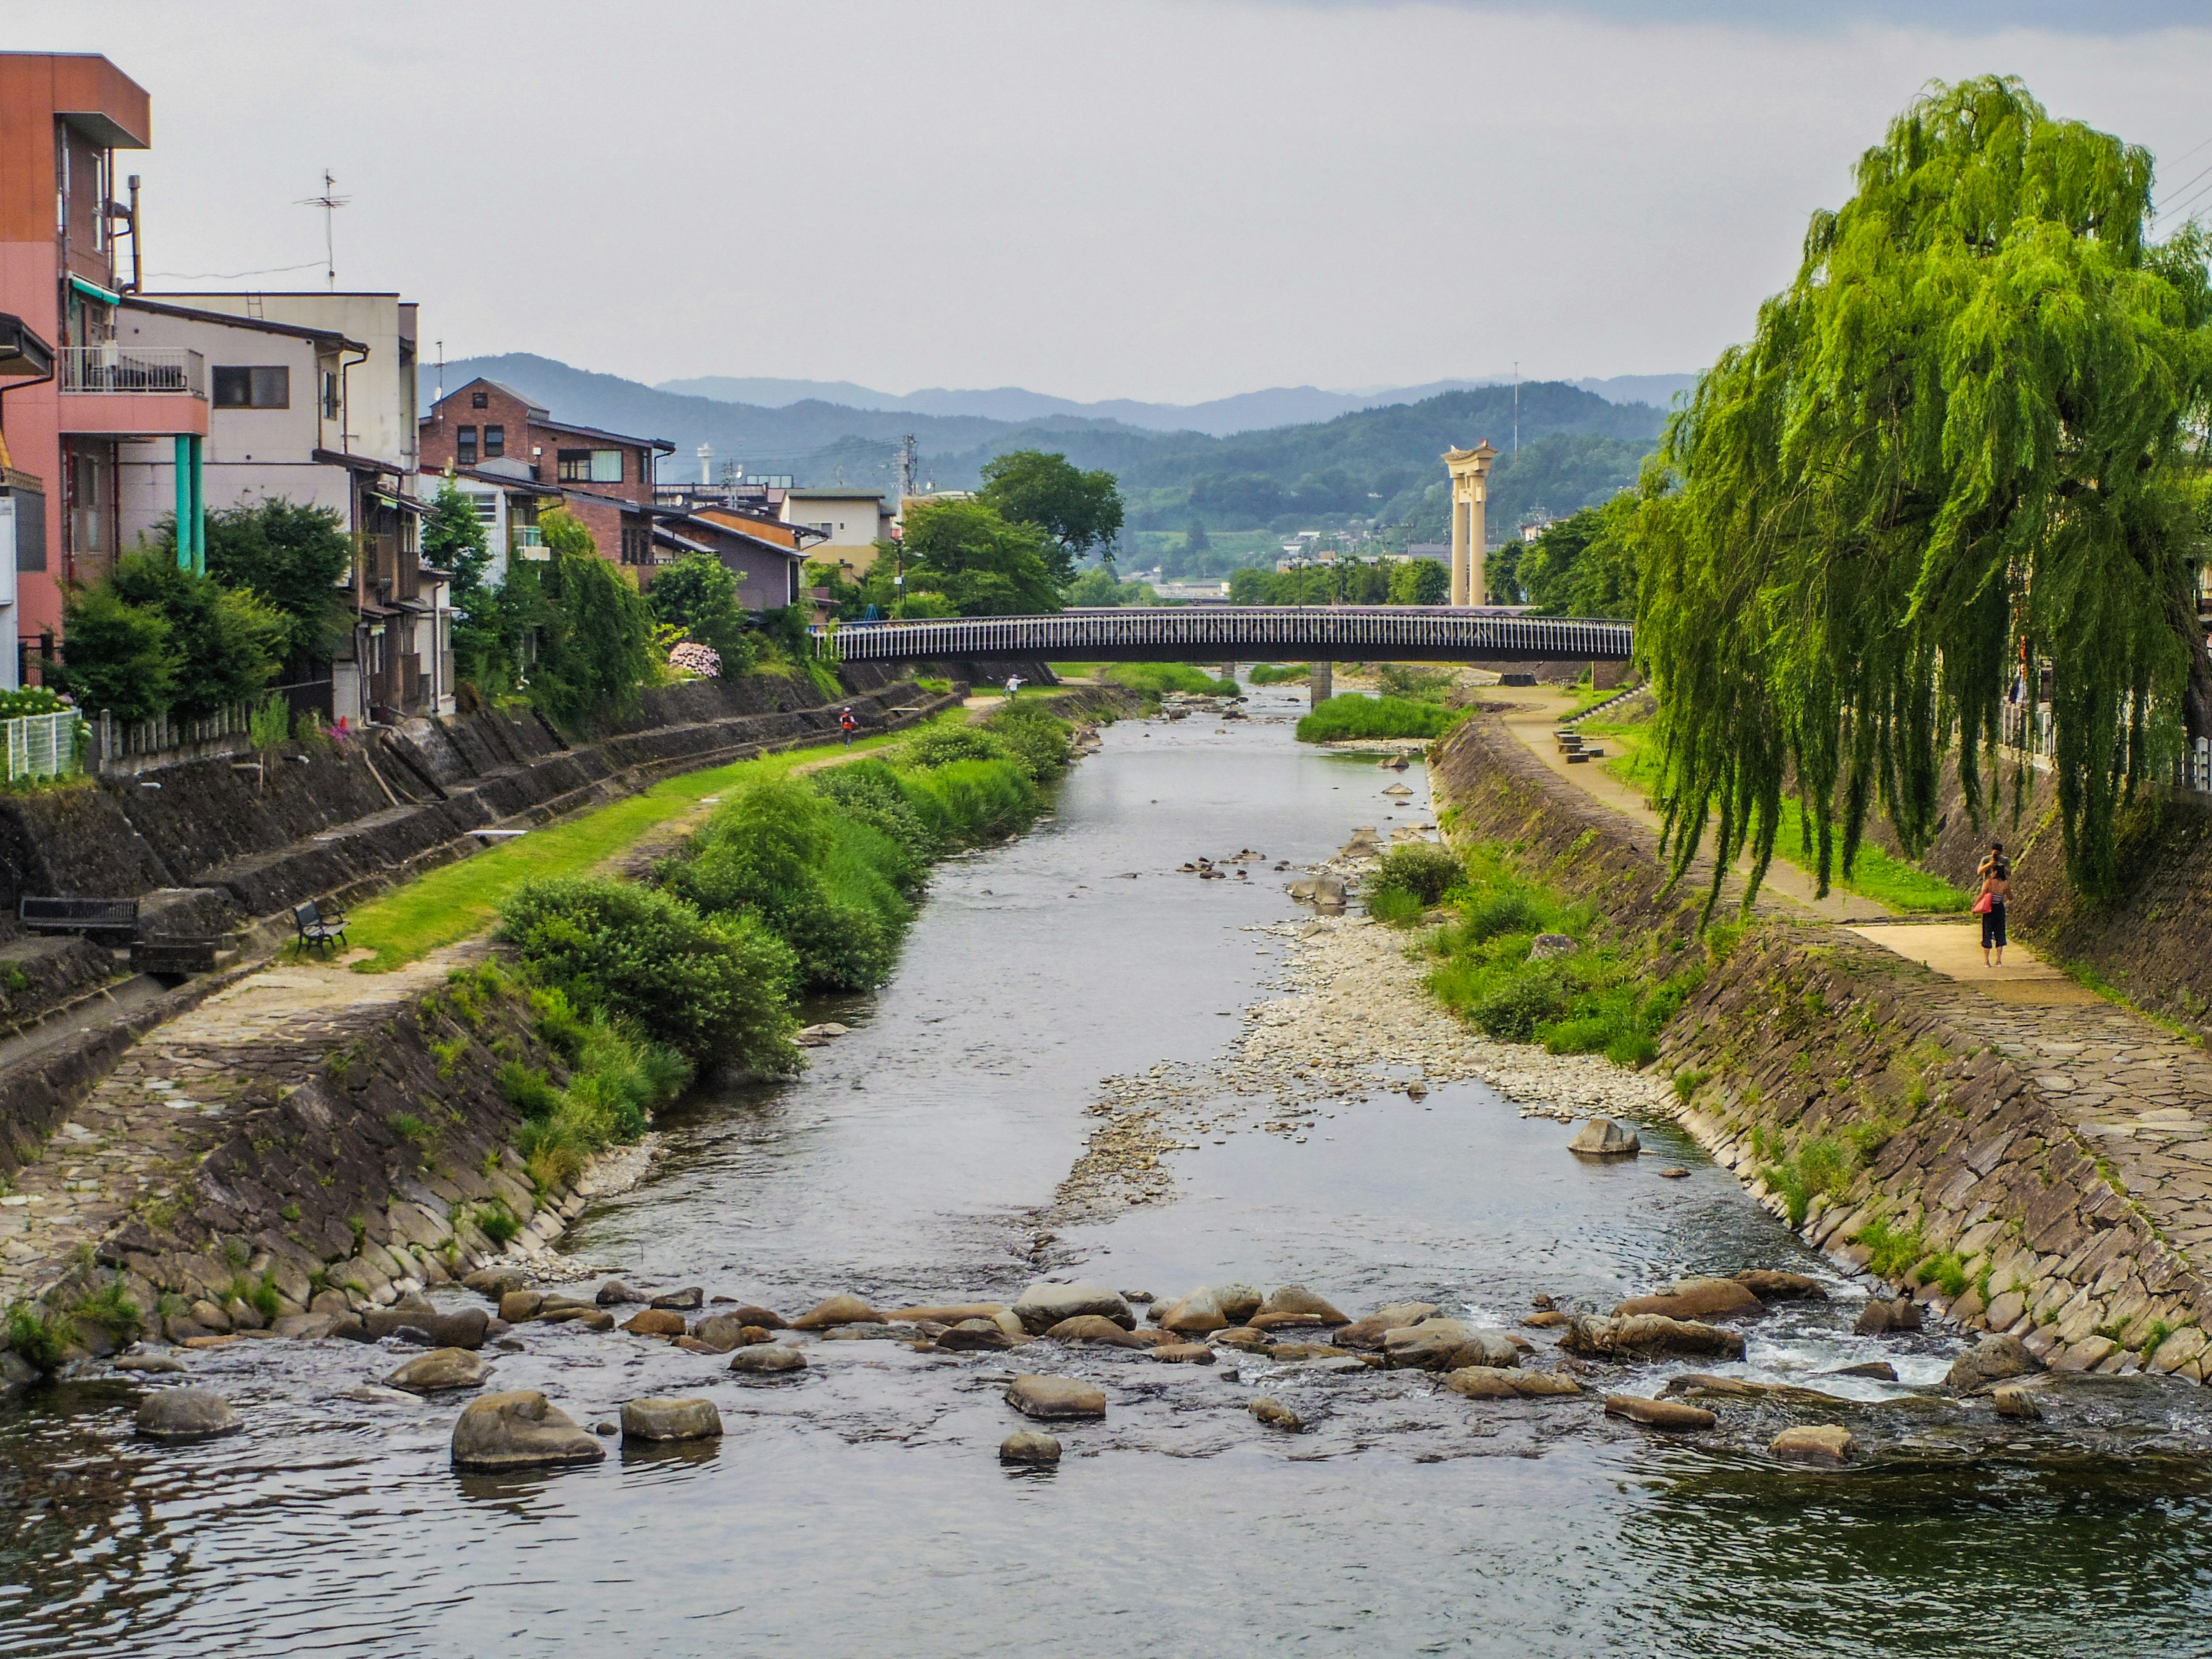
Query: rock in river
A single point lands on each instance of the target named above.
(1500, 1382)
(1769, 1285)
(516, 1306)
(662, 1418)
(1193, 1314)
(440, 1370)
(687, 1300)
(1643, 1334)
(767, 1359)
(1546, 946)
(1444, 1345)
(1183, 1353)
(1094, 1328)
(2014, 1402)
(1695, 1298)
(1814, 1442)
(614, 1293)
(1044, 1304)
(723, 1332)
(464, 1329)
(655, 1321)
(1274, 1413)
(185, 1414)
(1029, 1448)
(984, 1336)
(836, 1310)
(495, 1282)
(1603, 1138)
(520, 1429)
(1053, 1398)
(1238, 1303)
(1298, 1299)
(1878, 1318)
(1992, 1360)
(1658, 1413)
(1367, 1333)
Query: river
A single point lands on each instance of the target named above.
(862, 1509)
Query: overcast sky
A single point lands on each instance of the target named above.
(1170, 199)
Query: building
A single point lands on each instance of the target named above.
(851, 522)
(605, 479)
(62, 117)
(768, 557)
(311, 402)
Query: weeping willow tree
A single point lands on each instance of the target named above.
(1964, 446)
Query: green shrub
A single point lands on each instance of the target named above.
(112, 1308)
(1892, 1251)
(868, 792)
(1033, 739)
(1351, 715)
(1271, 674)
(941, 746)
(1421, 868)
(1400, 679)
(1494, 913)
(1395, 906)
(712, 990)
(1511, 1010)
(38, 1335)
(1157, 679)
(972, 803)
(528, 1090)
(497, 1223)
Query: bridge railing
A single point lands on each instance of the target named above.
(1353, 631)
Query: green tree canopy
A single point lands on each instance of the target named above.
(1959, 446)
(485, 635)
(983, 563)
(150, 639)
(595, 637)
(1582, 565)
(1079, 511)
(1419, 581)
(297, 559)
(699, 594)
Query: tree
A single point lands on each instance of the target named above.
(1195, 539)
(1079, 511)
(1582, 565)
(984, 564)
(485, 636)
(1419, 581)
(1959, 447)
(296, 558)
(120, 658)
(595, 641)
(699, 594)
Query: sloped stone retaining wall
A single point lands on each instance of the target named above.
(2053, 1164)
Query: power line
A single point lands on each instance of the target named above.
(228, 276)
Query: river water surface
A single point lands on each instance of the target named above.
(862, 1510)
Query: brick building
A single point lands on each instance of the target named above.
(605, 478)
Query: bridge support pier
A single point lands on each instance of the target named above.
(1321, 680)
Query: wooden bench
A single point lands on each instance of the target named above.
(317, 929)
(79, 915)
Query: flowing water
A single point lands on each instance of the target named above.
(861, 1509)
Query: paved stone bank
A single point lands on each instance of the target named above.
(2043, 1171)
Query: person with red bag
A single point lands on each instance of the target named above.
(1990, 903)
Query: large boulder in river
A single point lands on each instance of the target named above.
(463, 1329)
(1642, 1335)
(1771, 1285)
(767, 1359)
(1994, 1359)
(1029, 1448)
(1509, 1382)
(1298, 1299)
(521, 1429)
(185, 1414)
(1044, 1304)
(1194, 1315)
(1446, 1344)
(440, 1371)
(836, 1310)
(1367, 1333)
(1238, 1303)
(657, 1418)
(987, 1336)
(724, 1332)
(1695, 1298)
(1603, 1138)
(1054, 1398)
(1090, 1328)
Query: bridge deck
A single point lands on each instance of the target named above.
(1219, 633)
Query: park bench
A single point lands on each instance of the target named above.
(79, 915)
(316, 928)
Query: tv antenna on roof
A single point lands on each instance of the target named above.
(329, 203)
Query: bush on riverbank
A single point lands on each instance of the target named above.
(1351, 715)
(712, 990)
(1599, 1000)
(1276, 673)
(1155, 679)
(1412, 878)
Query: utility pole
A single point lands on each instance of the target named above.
(1517, 408)
(441, 397)
(906, 456)
(330, 202)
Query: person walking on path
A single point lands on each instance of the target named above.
(847, 725)
(1990, 903)
(1013, 684)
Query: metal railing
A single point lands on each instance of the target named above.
(2030, 732)
(43, 745)
(1340, 632)
(138, 369)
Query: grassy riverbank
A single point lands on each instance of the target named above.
(460, 901)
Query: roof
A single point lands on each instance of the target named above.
(715, 528)
(875, 495)
(534, 407)
(526, 486)
(227, 320)
(661, 445)
(354, 463)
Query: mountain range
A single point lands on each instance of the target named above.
(1246, 412)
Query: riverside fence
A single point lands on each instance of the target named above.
(1171, 634)
(43, 746)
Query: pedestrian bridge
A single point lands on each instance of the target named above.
(1221, 633)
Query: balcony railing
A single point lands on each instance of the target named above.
(137, 369)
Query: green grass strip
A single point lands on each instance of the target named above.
(459, 901)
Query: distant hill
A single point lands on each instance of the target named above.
(1378, 462)
(1222, 417)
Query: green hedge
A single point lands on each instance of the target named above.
(1351, 715)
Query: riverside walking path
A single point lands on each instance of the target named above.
(2137, 1094)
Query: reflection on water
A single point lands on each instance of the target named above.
(861, 1508)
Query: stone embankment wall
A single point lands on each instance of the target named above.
(213, 848)
(330, 1158)
(2044, 1161)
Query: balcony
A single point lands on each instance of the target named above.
(109, 369)
(135, 391)
(528, 541)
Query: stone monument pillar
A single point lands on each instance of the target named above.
(1470, 478)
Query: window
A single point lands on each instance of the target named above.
(636, 545)
(330, 396)
(254, 388)
(591, 466)
(464, 445)
(495, 444)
